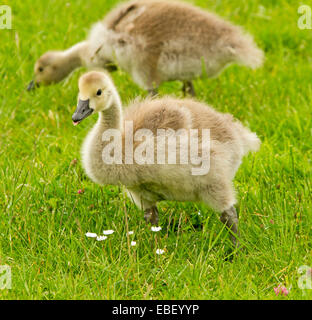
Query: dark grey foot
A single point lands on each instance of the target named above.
(151, 215)
(230, 219)
(152, 92)
(188, 88)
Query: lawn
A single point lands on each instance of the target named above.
(44, 219)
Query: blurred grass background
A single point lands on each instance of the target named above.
(44, 219)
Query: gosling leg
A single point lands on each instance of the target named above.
(230, 219)
(152, 92)
(151, 215)
(188, 88)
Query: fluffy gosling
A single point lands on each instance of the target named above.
(155, 41)
(149, 183)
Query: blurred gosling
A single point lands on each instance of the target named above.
(155, 41)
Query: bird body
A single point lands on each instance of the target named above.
(149, 183)
(158, 41)
(230, 141)
(155, 41)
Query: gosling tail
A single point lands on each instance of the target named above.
(249, 140)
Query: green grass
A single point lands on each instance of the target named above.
(44, 219)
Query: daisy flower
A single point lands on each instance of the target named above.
(160, 251)
(155, 229)
(91, 235)
(101, 238)
(107, 232)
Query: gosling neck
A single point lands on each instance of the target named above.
(74, 57)
(112, 118)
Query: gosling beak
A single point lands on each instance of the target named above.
(31, 85)
(82, 111)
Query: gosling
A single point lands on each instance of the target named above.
(155, 41)
(148, 183)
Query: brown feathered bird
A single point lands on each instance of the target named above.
(155, 41)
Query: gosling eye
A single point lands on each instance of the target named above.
(40, 69)
(99, 92)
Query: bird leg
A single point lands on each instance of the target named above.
(152, 92)
(188, 88)
(230, 219)
(110, 67)
(151, 215)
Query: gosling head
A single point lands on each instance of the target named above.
(50, 68)
(96, 93)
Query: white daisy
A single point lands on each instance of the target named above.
(91, 235)
(133, 243)
(101, 238)
(160, 251)
(107, 232)
(155, 229)
(130, 233)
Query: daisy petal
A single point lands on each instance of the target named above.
(101, 238)
(107, 232)
(160, 251)
(91, 235)
(155, 229)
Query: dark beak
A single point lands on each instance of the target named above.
(31, 85)
(82, 111)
